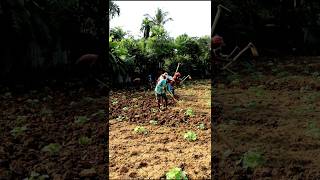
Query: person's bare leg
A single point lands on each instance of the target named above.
(158, 103)
(166, 100)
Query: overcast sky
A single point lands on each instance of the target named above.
(190, 17)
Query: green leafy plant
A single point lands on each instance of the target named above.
(84, 140)
(81, 119)
(17, 131)
(189, 112)
(52, 149)
(175, 174)
(201, 126)
(140, 130)
(153, 122)
(190, 136)
(252, 159)
(114, 102)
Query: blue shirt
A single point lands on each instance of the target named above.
(160, 86)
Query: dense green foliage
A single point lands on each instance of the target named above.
(157, 50)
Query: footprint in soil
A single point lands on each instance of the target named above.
(124, 170)
(142, 164)
(133, 174)
(134, 153)
(165, 140)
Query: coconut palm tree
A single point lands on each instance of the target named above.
(146, 27)
(160, 17)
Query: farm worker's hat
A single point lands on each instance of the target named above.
(217, 40)
(177, 74)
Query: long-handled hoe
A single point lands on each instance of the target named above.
(183, 79)
(172, 96)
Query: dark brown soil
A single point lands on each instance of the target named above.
(152, 155)
(49, 117)
(280, 122)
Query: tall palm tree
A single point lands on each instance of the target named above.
(146, 27)
(159, 18)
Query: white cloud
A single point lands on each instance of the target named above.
(190, 17)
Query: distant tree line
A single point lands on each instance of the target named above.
(137, 57)
(275, 26)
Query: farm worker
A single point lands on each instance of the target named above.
(176, 77)
(175, 80)
(170, 83)
(217, 43)
(160, 90)
(161, 77)
(150, 81)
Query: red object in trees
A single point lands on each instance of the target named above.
(176, 77)
(89, 59)
(217, 40)
(177, 74)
